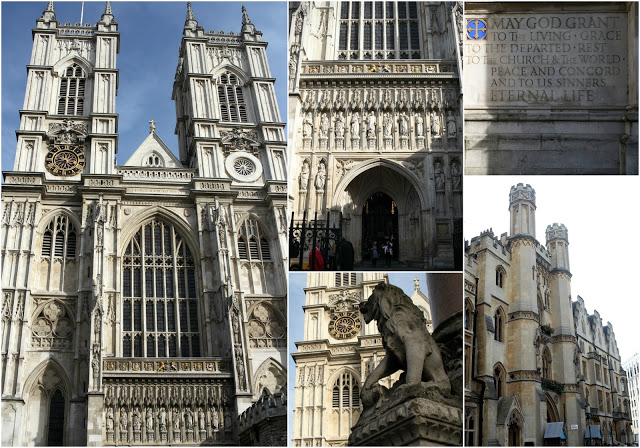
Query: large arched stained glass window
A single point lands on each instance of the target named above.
(159, 294)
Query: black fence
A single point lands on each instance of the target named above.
(306, 237)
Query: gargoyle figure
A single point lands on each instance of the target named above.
(408, 344)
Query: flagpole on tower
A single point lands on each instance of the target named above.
(81, 13)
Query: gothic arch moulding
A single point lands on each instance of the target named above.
(228, 67)
(131, 226)
(60, 66)
(265, 230)
(362, 168)
(47, 217)
(270, 377)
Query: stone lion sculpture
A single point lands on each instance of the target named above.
(408, 344)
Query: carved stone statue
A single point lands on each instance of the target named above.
(355, 125)
(188, 420)
(215, 419)
(419, 126)
(340, 122)
(439, 176)
(123, 421)
(149, 420)
(307, 126)
(162, 417)
(324, 126)
(408, 344)
(403, 122)
(304, 176)
(387, 125)
(371, 125)
(176, 420)
(321, 177)
(201, 419)
(435, 124)
(452, 128)
(110, 419)
(455, 174)
(137, 420)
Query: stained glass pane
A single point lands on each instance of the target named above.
(159, 284)
(354, 36)
(136, 283)
(162, 348)
(126, 346)
(184, 345)
(172, 346)
(183, 316)
(150, 318)
(137, 346)
(171, 316)
(126, 315)
(195, 345)
(151, 346)
(160, 315)
(193, 315)
(137, 315)
(191, 282)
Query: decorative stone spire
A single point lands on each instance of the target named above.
(49, 15)
(247, 26)
(107, 15)
(191, 21)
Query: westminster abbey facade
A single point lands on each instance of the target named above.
(145, 303)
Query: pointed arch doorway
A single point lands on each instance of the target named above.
(55, 430)
(380, 222)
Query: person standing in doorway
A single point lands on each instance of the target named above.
(374, 253)
(388, 253)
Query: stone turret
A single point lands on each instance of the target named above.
(48, 15)
(107, 17)
(522, 206)
(558, 246)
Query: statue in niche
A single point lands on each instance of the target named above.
(307, 126)
(324, 126)
(149, 421)
(435, 124)
(215, 420)
(176, 419)
(321, 176)
(419, 126)
(403, 122)
(110, 419)
(123, 421)
(136, 419)
(188, 420)
(355, 125)
(455, 174)
(438, 173)
(340, 122)
(408, 344)
(304, 176)
(162, 418)
(387, 125)
(451, 126)
(371, 125)
(293, 64)
(201, 419)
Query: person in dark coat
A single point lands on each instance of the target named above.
(346, 255)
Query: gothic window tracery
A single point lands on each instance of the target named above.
(546, 364)
(52, 327)
(498, 377)
(346, 393)
(345, 278)
(266, 327)
(252, 244)
(231, 97)
(72, 89)
(59, 239)
(378, 27)
(160, 299)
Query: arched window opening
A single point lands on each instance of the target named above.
(546, 364)
(498, 319)
(470, 427)
(60, 238)
(266, 327)
(72, 90)
(232, 104)
(346, 393)
(499, 381)
(55, 431)
(159, 314)
(500, 276)
(258, 244)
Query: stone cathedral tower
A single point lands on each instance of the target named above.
(532, 367)
(375, 120)
(144, 303)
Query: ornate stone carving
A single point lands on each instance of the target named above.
(238, 140)
(321, 176)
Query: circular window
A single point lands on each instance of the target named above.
(243, 167)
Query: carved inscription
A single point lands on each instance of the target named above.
(547, 59)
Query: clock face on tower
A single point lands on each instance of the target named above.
(345, 325)
(65, 160)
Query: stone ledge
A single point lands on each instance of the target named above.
(414, 422)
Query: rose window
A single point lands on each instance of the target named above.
(53, 327)
(244, 167)
(266, 327)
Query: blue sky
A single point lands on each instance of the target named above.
(150, 34)
(297, 283)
